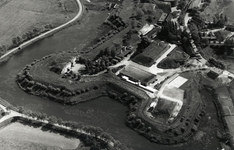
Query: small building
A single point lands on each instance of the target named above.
(153, 33)
(214, 73)
(115, 61)
(208, 35)
(172, 2)
(169, 17)
(230, 27)
(118, 58)
(146, 29)
(162, 18)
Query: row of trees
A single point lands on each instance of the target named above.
(16, 41)
(93, 137)
(217, 63)
(170, 32)
(58, 94)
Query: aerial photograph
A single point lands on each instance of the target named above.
(117, 75)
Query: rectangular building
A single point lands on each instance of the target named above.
(137, 75)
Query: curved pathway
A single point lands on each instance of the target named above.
(43, 35)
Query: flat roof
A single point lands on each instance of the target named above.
(137, 73)
(163, 17)
(178, 81)
(146, 28)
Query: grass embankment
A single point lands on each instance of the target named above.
(25, 18)
(18, 134)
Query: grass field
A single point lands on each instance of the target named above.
(229, 11)
(18, 17)
(217, 7)
(19, 134)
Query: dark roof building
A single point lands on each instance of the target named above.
(169, 17)
(153, 33)
(137, 75)
(172, 2)
(214, 73)
(230, 27)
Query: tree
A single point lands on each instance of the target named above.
(139, 13)
(150, 19)
(113, 53)
(107, 51)
(225, 18)
(52, 119)
(43, 116)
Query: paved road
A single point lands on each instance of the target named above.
(43, 35)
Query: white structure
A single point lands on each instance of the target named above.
(178, 81)
(69, 65)
(146, 29)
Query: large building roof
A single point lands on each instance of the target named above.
(151, 53)
(137, 74)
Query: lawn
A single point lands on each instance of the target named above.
(20, 16)
(229, 11)
(17, 133)
(217, 7)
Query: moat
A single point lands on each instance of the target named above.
(93, 111)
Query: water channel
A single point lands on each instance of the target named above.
(103, 112)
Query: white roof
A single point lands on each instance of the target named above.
(146, 28)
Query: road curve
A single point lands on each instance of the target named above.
(45, 34)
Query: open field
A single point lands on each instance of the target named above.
(229, 11)
(19, 17)
(217, 7)
(17, 133)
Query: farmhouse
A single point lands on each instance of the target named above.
(137, 75)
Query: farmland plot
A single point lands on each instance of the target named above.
(17, 17)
